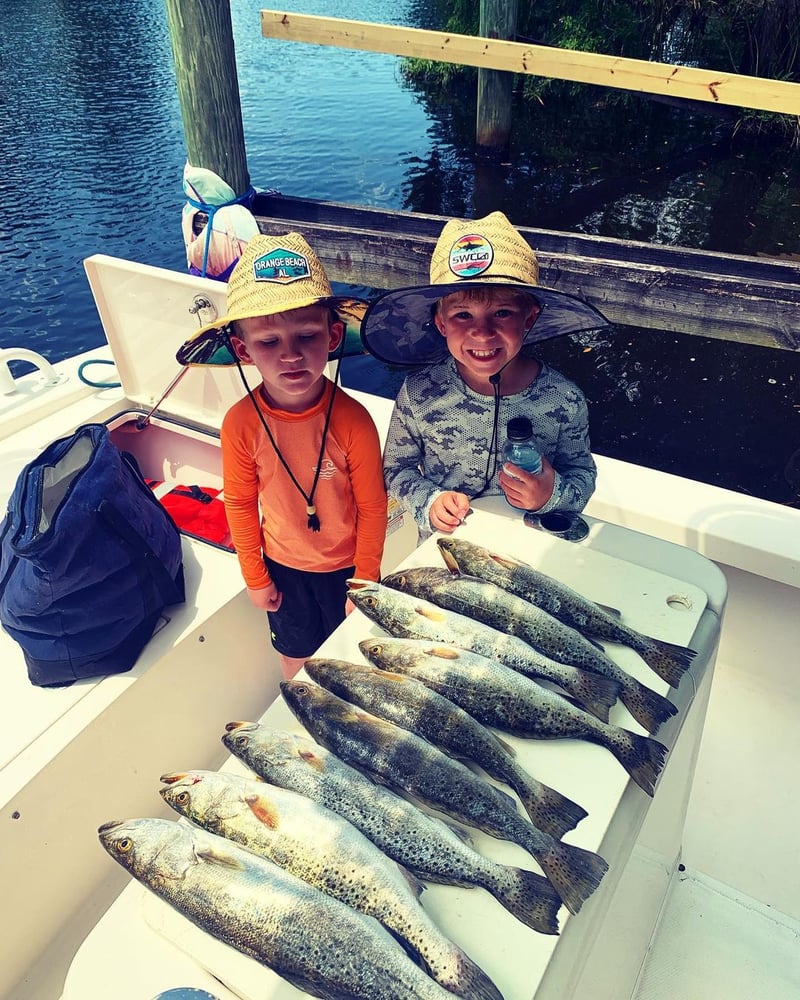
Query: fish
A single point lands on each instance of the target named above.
(412, 705)
(405, 761)
(317, 943)
(502, 698)
(669, 660)
(495, 606)
(413, 617)
(325, 850)
(425, 845)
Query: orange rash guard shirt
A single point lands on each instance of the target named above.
(267, 513)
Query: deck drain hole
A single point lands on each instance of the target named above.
(679, 602)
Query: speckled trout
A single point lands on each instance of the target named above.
(413, 705)
(495, 606)
(325, 850)
(500, 697)
(432, 849)
(406, 761)
(317, 943)
(404, 615)
(667, 659)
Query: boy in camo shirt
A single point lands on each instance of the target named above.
(469, 327)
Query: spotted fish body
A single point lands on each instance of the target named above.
(499, 608)
(668, 660)
(325, 850)
(423, 844)
(404, 615)
(317, 943)
(405, 761)
(412, 705)
(502, 698)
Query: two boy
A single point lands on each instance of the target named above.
(303, 477)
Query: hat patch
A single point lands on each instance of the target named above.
(470, 256)
(281, 267)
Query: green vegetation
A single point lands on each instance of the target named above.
(750, 37)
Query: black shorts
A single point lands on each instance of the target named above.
(312, 607)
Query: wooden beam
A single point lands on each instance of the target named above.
(745, 299)
(205, 71)
(639, 75)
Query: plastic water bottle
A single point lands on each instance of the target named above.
(519, 447)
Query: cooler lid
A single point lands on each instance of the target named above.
(147, 314)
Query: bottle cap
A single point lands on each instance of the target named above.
(519, 429)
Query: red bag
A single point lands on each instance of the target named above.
(196, 510)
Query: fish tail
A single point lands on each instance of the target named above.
(574, 872)
(667, 659)
(462, 977)
(641, 756)
(595, 692)
(531, 899)
(548, 809)
(648, 707)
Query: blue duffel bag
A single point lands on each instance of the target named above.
(88, 560)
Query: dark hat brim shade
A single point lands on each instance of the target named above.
(398, 327)
(211, 344)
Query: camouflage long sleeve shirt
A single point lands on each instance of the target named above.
(440, 433)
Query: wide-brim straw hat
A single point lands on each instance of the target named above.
(273, 275)
(398, 327)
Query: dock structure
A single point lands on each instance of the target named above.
(752, 300)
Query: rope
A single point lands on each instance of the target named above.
(97, 385)
(211, 210)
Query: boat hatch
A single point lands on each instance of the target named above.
(147, 313)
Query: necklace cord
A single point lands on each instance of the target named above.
(311, 510)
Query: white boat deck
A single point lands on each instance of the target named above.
(712, 942)
(729, 928)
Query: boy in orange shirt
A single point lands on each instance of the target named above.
(302, 471)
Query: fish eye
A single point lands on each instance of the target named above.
(125, 845)
(182, 797)
(370, 601)
(302, 688)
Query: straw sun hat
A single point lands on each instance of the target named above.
(398, 327)
(273, 275)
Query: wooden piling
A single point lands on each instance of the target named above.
(498, 19)
(201, 35)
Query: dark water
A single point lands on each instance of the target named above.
(93, 155)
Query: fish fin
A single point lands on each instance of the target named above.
(444, 652)
(263, 810)
(509, 749)
(212, 855)
(469, 980)
(594, 692)
(669, 660)
(549, 810)
(648, 707)
(532, 899)
(614, 612)
(312, 987)
(505, 561)
(432, 613)
(641, 756)
(574, 872)
(415, 883)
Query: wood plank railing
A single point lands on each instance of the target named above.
(661, 79)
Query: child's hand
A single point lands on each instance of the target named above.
(448, 510)
(526, 490)
(265, 598)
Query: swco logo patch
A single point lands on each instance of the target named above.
(470, 256)
(281, 266)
